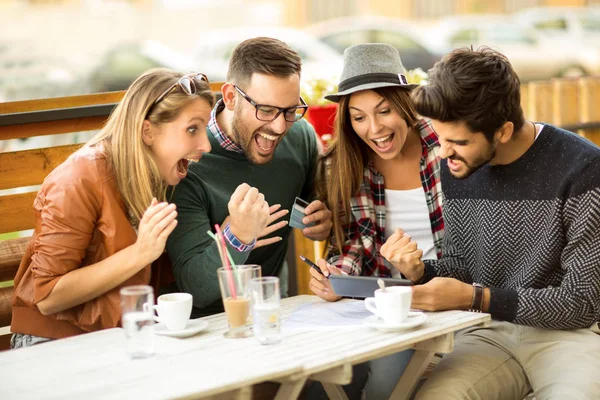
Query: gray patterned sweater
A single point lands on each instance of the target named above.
(530, 231)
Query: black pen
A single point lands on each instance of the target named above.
(313, 265)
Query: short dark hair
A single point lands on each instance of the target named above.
(479, 87)
(262, 55)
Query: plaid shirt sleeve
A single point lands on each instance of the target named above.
(349, 260)
(357, 255)
(237, 243)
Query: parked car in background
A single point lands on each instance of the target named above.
(532, 56)
(576, 24)
(406, 36)
(122, 64)
(213, 52)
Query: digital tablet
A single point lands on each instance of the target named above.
(361, 286)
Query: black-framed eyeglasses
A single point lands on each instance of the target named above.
(185, 83)
(268, 113)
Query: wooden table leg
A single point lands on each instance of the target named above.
(418, 363)
(290, 389)
(334, 392)
(333, 379)
(415, 368)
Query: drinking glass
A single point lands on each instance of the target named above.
(266, 299)
(235, 293)
(256, 273)
(138, 320)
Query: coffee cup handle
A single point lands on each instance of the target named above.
(150, 309)
(371, 305)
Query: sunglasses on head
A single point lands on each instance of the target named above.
(186, 83)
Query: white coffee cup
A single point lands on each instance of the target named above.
(392, 306)
(174, 310)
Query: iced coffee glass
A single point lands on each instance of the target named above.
(235, 293)
(256, 273)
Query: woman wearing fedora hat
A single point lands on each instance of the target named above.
(380, 174)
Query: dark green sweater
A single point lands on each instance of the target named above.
(202, 199)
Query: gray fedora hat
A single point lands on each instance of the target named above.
(370, 66)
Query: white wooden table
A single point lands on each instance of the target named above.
(208, 365)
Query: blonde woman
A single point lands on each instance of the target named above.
(102, 216)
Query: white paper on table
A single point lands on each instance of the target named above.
(316, 316)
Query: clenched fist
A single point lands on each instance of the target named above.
(404, 254)
(248, 213)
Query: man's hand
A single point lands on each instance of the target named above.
(248, 213)
(320, 284)
(271, 226)
(442, 294)
(318, 213)
(404, 255)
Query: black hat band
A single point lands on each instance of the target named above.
(372, 78)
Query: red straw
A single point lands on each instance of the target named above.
(225, 261)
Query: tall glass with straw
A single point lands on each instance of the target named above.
(235, 291)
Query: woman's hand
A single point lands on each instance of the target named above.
(156, 225)
(319, 283)
(404, 254)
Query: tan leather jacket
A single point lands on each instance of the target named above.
(80, 220)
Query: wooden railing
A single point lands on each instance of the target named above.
(572, 104)
(568, 103)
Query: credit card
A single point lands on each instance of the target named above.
(298, 214)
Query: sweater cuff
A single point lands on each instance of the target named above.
(428, 273)
(503, 304)
(237, 243)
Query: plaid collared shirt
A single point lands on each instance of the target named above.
(227, 144)
(366, 231)
(218, 133)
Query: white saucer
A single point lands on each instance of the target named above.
(414, 319)
(194, 326)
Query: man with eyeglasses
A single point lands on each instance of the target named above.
(259, 138)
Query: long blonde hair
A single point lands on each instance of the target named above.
(340, 170)
(136, 172)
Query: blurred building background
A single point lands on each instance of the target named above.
(62, 47)
(52, 48)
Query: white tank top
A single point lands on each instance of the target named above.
(407, 209)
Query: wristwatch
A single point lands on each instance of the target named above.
(477, 301)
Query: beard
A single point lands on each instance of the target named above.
(244, 138)
(471, 167)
